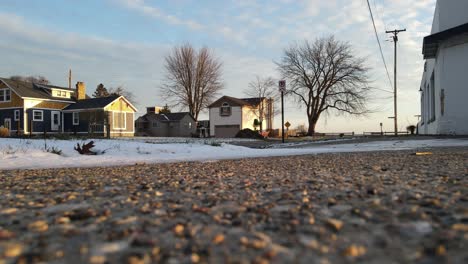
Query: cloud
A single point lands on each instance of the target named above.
(141, 6)
(246, 34)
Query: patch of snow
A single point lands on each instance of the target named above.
(31, 153)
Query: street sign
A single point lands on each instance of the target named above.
(282, 86)
(287, 125)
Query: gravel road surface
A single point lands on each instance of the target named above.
(384, 207)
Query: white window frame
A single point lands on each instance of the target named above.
(76, 116)
(16, 115)
(225, 105)
(34, 115)
(125, 121)
(4, 96)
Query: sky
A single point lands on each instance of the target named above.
(124, 42)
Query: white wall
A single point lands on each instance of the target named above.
(450, 71)
(449, 14)
(216, 119)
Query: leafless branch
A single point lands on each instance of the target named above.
(325, 76)
(193, 78)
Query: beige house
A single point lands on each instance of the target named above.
(229, 115)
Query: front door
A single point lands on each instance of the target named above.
(7, 123)
(55, 120)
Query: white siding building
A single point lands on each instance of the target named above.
(228, 115)
(444, 85)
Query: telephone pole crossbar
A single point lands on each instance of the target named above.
(395, 40)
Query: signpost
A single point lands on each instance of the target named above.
(282, 89)
(287, 125)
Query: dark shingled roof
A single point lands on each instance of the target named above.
(27, 89)
(431, 43)
(170, 117)
(244, 101)
(253, 101)
(92, 103)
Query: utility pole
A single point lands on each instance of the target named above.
(69, 78)
(395, 40)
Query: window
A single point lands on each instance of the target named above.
(155, 124)
(5, 95)
(17, 115)
(38, 115)
(76, 118)
(225, 110)
(433, 99)
(190, 125)
(119, 120)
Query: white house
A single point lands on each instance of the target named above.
(444, 85)
(228, 115)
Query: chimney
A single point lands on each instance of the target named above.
(80, 91)
(150, 110)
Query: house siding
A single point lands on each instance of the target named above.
(216, 119)
(129, 128)
(15, 100)
(443, 111)
(10, 113)
(45, 124)
(86, 118)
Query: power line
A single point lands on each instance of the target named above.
(378, 42)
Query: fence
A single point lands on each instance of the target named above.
(385, 133)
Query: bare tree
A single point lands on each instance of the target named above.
(325, 76)
(120, 90)
(264, 88)
(32, 79)
(193, 78)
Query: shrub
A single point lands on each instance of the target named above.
(411, 129)
(248, 133)
(4, 132)
(54, 150)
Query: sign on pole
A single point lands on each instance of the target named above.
(282, 86)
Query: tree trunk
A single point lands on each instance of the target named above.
(312, 124)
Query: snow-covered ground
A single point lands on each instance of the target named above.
(28, 153)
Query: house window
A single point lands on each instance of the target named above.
(433, 99)
(225, 110)
(155, 124)
(17, 115)
(5, 95)
(38, 115)
(190, 125)
(76, 118)
(120, 120)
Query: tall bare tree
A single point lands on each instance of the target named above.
(32, 79)
(325, 76)
(193, 78)
(263, 87)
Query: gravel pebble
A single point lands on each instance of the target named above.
(381, 207)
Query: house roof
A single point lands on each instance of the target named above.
(431, 43)
(237, 101)
(255, 101)
(169, 117)
(32, 90)
(92, 103)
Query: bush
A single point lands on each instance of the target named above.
(54, 150)
(411, 129)
(249, 133)
(4, 132)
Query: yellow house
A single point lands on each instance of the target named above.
(33, 108)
